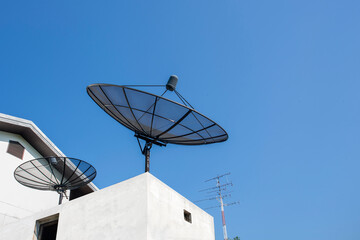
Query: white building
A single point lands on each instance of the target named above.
(140, 208)
(21, 140)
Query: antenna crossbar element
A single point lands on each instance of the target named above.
(233, 203)
(217, 190)
(218, 177)
(212, 207)
(217, 187)
(225, 205)
(212, 198)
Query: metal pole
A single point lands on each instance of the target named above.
(223, 219)
(222, 211)
(147, 160)
(60, 197)
(147, 148)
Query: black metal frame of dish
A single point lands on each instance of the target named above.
(146, 149)
(55, 185)
(140, 133)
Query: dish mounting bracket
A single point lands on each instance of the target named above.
(146, 149)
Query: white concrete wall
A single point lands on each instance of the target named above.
(166, 215)
(116, 212)
(140, 208)
(24, 228)
(16, 200)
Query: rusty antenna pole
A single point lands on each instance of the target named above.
(222, 206)
(219, 189)
(222, 211)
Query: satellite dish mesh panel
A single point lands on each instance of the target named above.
(55, 174)
(155, 117)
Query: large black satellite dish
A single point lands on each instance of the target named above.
(55, 174)
(156, 119)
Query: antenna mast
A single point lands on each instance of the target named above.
(222, 204)
(222, 210)
(220, 190)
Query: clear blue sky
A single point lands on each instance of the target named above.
(282, 77)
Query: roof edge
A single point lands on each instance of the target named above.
(31, 133)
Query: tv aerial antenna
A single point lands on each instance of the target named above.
(155, 119)
(57, 174)
(221, 192)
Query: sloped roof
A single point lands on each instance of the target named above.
(35, 137)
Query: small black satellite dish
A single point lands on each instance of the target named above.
(156, 119)
(55, 174)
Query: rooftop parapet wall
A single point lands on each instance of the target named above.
(166, 215)
(141, 208)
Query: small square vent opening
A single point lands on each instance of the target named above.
(16, 149)
(187, 216)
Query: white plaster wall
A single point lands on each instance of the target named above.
(16, 200)
(24, 228)
(166, 215)
(140, 208)
(114, 213)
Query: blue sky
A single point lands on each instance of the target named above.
(282, 77)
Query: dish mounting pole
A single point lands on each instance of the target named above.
(61, 195)
(146, 149)
(146, 152)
